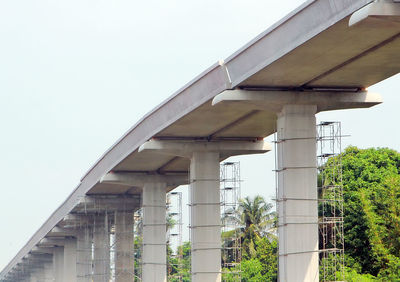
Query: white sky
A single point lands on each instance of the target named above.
(75, 75)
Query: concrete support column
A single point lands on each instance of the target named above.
(35, 275)
(69, 260)
(297, 194)
(58, 264)
(84, 254)
(101, 248)
(48, 271)
(205, 217)
(154, 260)
(124, 248)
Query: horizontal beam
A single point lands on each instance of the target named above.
(96, 204)
(186, 148)
(273, 101)
(42, 250)
(140, 179)
(51, 242)
(61, 232)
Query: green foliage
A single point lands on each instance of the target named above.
(351, 275)
(138, 254)
(251, 270)
(179, 269)
(256, 220)
(372, 212)
(266, 254)
(263, 265)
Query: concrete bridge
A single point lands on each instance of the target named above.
(320, 57)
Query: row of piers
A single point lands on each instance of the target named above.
(78, 248)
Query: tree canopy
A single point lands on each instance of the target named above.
(371, 183)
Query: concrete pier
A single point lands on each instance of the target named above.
(69, 259)
(154, 233)
(84, 253)
(48, 272)
(205, 200)
(58, 263)
(124, 248)
(101, 248)
(297, 194)
(205, 217)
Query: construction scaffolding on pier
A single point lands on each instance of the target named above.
(174, 234)
(231, 239)
(330, 206)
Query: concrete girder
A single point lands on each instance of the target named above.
(186, 148)
(274, 101)
(140, 179)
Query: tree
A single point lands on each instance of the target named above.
(256, 220)
(371, 185)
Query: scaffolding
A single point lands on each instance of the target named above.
(231, 239)
(330, 207)
(174, 235)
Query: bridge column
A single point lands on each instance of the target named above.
(58, 263)
(48, 271)
(297, 172)
(101, 248)
(205, 200)
(205, 216)
(35, 276)
(69, 260)
(84, 253)
(154, 262)
(124, 247)
(154, 233)
(297, 194)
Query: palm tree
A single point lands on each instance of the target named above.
(256, 220)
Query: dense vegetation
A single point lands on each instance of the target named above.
(371, 179)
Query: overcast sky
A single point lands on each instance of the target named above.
(76, 75)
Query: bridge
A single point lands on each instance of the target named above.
(321, 57)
